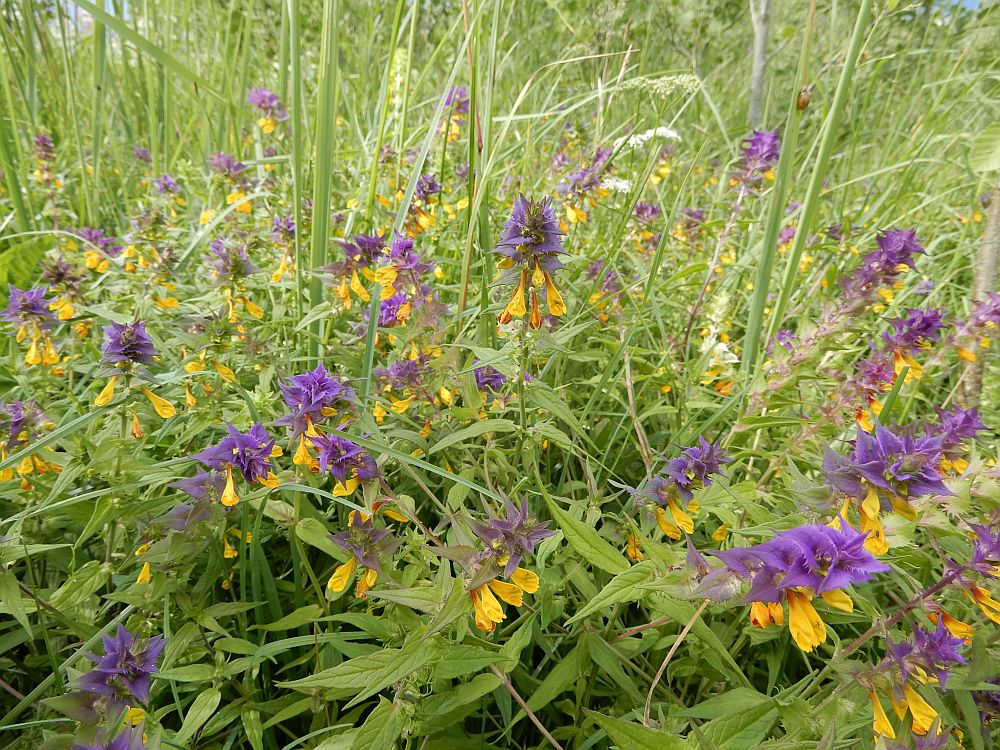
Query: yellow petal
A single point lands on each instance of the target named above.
(524, 579)
(228, 375)
(875, 542)
(880, 722)
(510, 593)
(760, 615)
(839, 600)
(805, 625)
(365, 581)
(345, 489)
(338, 581)
(552, 297)
(665, 525)
(681, 519)
(229, 498)
(144, 574)
(107, 393)
(921, 711)
(302, 456)
(162, 407)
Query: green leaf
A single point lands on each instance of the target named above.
(473, 431)
(382, 727)
(188, 673)
(254, 729)
(10, 597)
(587, 542)
(199, 712)
(463, 661)
(742, 728)
(302, 616)
(621, 588)
(366, 675)
(628, 735)
(984, 156)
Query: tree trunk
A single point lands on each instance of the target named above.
(984, 280)
(760, 15)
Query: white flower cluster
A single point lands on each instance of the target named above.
(664, 86)
(616, 184)
(637, 140)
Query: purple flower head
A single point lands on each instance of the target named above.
(142, 154)
(129, 738)
(126, 345)
(489, 378)
(874, 375)
(249, 451)
(126, 668)
(695, 466)
(986, 313)
(405, 259)
(586, 179)
(28, 307)
(880, 267)
(985, 551)
(457, 100)
(45, 149)
(508, 539)
(902, 465)
(819, 557)
(283, 229)
(312, 397)
(363, 249)
(97, 238)
(201, 486)
(917, 330)
(267, 103)
(403, 374)
(21, 422)
(61, 275)
(646, 212)
(956, 425)
(783, 338)
(532, 233)
(693, 217)
(231, 263)
(928, 651)
(166, 184)
(786, 235)
(427, 185)
(363, 540)
(760, 151)
(225, 165)
(344, 458)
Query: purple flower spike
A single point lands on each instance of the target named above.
(129, 738)
(310, 396)
(267, 103)
(28, 307)
(249, 451)
(126, 345)
(532, 233)
(508, 539)
(694, 467)
(344, 458)
(125, 669)
(364, 541)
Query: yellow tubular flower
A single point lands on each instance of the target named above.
(189, 400)
(921, 711)
(681, 519)
(760, 615)
(228, 550)
(229, 498)
(487, 609)
(633, 548)
(525, 579)
(957, 628)
(535, 319)
(365, 581)
(666, 526)
(338, 581)
(162, 407)
(144, 574)
(136, 427)
(776, 612)
(838, 600)
(555, 301)
(516, 307)
(880, 722)
(807, 629)
(302, 456)
(107, 393)
(875, 542)
(510, 593)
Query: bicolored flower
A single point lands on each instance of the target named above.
(800, 564)
(166, 185)
(269, 108)
(760, 153)
(881, 267)
(366, 544)
(126, 346)
(312, 398)
(531, 244)
(230, 263)
(489, 378)
(486, 598)
(124, 673)
(507, 540)
(348, 462)
(250, 452)
(128, 738)
(30, 313)
(927, 653)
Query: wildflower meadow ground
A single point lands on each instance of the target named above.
(477, 374)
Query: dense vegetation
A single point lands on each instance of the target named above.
(470, 374)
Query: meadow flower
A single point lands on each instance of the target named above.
(799, 564)
(141, 154)
(488, 378)
(45, 148)
(166, 185)
(226, 166)
(348, 462)
(366, 544)
(230, 263)
(30, 313)
(646, 212)
(21, 423)
(125, 671)
(507, 541)
(694, 468)
(126, 348)
(580, 187)
(313, 397)
(457, 100)
(270, 109)
(531, 244)
(96, 238)
(361, 252)
(927, 653)
(760, 153)
(250, 452)
(128, 738)
(882, 266)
